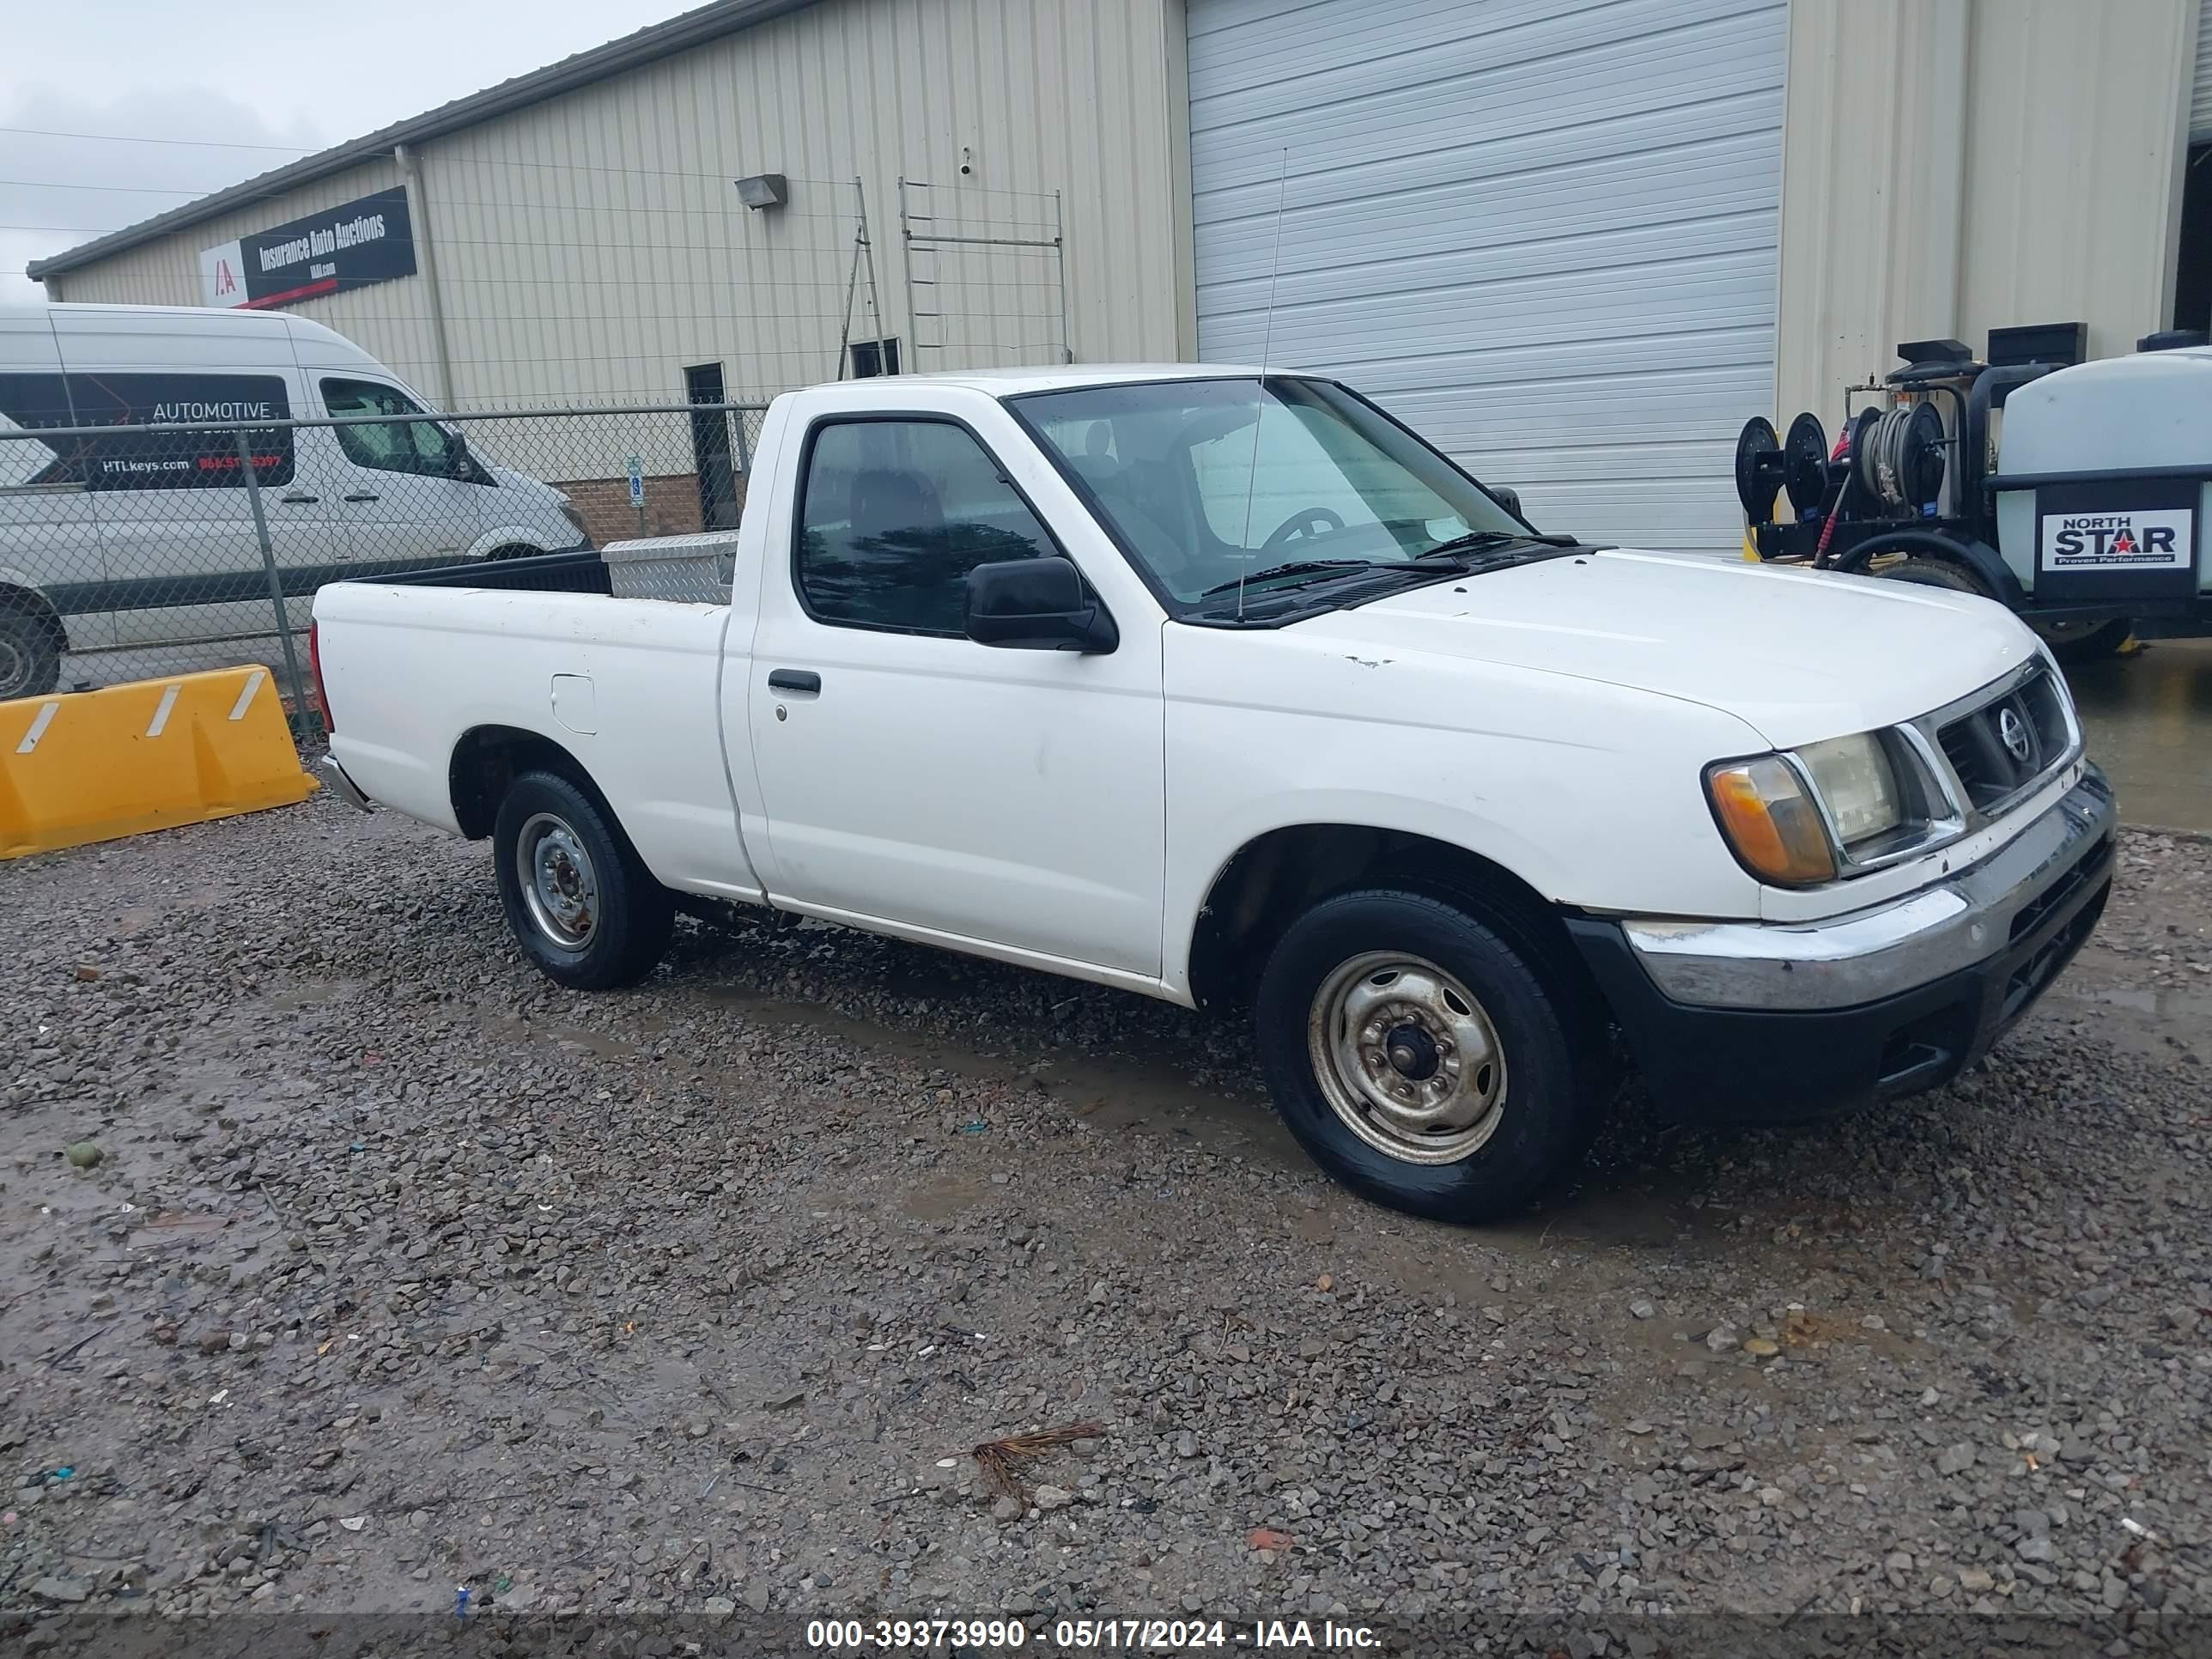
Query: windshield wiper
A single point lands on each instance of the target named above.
(1303, 568)
(1475, 539)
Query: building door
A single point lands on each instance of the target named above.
(718, 500)
(1545, 233)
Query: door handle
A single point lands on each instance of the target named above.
(297, 500)
(362, 496)
(794, 679)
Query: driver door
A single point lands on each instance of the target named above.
(408, 493)
(917, 780)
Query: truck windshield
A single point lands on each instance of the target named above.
(1212, 482)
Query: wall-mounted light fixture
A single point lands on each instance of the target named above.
(764, 190)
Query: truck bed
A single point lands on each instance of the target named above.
(421, 667)
(582, 571)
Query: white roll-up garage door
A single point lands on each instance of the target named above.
(1543, 231)
(2200, 96)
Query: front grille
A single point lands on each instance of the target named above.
(2000, 748)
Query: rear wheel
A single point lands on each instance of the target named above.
(579, 901)
(1425, 1060)
(30, 655)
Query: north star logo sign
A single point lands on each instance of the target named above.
(2139, 540)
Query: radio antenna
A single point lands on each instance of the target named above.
(1260, 393)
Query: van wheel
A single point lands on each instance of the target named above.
(578, 900)
(512, 550)
(1423, 1060)
(30, 655)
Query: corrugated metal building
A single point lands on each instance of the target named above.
(1578, 241)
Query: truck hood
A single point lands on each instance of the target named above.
(1800, 655)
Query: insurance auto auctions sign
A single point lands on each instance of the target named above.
(352, 245)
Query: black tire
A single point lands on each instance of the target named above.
(2090, 644)
(621, 919)
(30, 655)
(513, 550)
(1551, 1089)
(1930, 572)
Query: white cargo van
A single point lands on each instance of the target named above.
(147, 540)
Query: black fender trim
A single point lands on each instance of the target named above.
(1987, 564)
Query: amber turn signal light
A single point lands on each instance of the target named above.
(1771, 821)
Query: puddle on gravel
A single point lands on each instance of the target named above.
(2149, 1021)
(315, 993)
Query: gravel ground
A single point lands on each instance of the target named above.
(401, 1270)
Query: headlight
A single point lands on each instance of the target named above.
(1775, 824)
(1857, 785)
(1771, 822)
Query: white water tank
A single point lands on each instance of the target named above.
(2148, 411)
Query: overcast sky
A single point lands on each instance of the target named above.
(295, 78)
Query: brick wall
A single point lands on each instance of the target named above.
(671, 506)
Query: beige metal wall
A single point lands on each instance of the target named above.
(1950, 166)
(592, 246)
(391, 320)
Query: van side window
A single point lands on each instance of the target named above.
(420, 446)
(178, 456)
(28, 402)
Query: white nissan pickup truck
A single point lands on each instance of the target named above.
(1228, 689)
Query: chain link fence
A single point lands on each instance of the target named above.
(191, 531)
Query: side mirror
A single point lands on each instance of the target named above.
(1036, 604)
(1508, 498)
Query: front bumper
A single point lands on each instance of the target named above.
(1753, 1021)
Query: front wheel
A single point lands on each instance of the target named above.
(579, 901)
(1424, 1060)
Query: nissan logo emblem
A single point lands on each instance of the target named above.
(2015, 732)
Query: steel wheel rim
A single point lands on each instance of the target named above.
(14, 670)
(1406, 1058)
(560, 887)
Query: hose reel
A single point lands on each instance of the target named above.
(1758, 469)
(1894, 459)
(1899, 459)
(1805, 462)
(1765, 465)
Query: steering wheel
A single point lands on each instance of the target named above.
(1307, 521)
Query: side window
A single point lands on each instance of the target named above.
(178, 455)
(421, 446)
(894, 514)
(26, 402)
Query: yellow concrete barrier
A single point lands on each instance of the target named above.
(86, 766)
